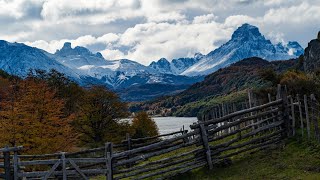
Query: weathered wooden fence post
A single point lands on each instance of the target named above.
(64, 166)
(251, 104)
(108, 154)
(315, 120)
(6, 163)
(128, 138)
(285, 104)
(293, 117)
(307, 115)
(301, 116)
(278, 91)
(15, 165)
(206, 146)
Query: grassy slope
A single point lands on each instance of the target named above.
(295, 160)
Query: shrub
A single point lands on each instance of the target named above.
(144, 126)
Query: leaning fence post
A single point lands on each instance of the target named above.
(315, 120)
(6, 163)
(307, 115)
(206, 146)
(108, 154)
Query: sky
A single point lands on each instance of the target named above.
(147, 30)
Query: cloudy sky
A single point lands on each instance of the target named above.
(146, 30)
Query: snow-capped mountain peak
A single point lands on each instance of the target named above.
(176, 66)
(246, 42)
(295, 48)
(162, 66)
(19, 59)
(67, 50)
(247, 32)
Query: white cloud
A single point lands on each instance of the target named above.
(163, 17)
(108, 38)
(238, 20)
(208, 18)
(11, 8)
(304, 12)
(112, 54)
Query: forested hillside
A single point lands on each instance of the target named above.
(224, 83)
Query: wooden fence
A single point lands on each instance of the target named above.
(216, 138)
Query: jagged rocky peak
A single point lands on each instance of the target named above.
(294, 48)
(247, 32)
(99, 55)
(246, 42)
(198, 56)
(67, 45)
(67, 50)
(312, 55)
(160, 62)
(318, 36)
(162, 66)
(164, 61)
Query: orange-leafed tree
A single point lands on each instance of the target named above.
(144, 126)
(32, 116)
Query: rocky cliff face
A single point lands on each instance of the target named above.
(312, 55)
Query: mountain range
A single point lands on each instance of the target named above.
(124, 76)
(246, 41)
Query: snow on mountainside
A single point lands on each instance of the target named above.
(19, 59)
(176, 66)
(246, 42)
(295, 48)
(83, 66)
(116, 74)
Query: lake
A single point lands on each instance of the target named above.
(172, 124)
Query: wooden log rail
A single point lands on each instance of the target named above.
(238, 113)
(250, 134)
(242, 120)
(154, 137)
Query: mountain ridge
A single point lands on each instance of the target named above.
(246, 41)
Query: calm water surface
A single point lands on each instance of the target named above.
(172, 124)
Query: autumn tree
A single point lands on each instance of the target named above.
(299, 83)
(66, 89)
(31, 115)
(144, 126)
(99, 117)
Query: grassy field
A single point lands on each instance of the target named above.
(295, 160)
